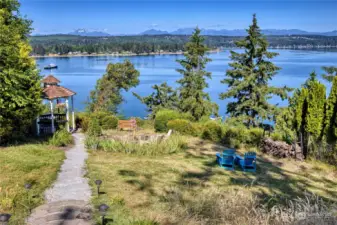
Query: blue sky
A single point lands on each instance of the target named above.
(129, 17)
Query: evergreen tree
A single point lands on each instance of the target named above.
(248, 79)
(309, 113)
(192, 97)
(284, 123)
(163, 97)
(20, 92)
(331, 72)
(331, 114)
(316, 104)
(107, 94)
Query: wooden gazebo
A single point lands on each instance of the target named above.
(58, 98)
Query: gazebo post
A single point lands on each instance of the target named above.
(52, 116)
(38, 126)
(67, 114)
(73, 112)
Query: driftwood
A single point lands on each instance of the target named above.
(281, 149)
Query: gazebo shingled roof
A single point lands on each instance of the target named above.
(50, 79)
(53, 92)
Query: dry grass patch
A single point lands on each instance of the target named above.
(189, 188)
(35, 164)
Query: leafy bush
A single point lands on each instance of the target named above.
(82, 121)
(277, 136)
(165, 115)
(173, 144)
(140, 122)
(109, 122)
(212, 131)
(184, 127)
(94, 129)
(61, 138)
(105, 120)
(92, 142)
(255, 136)
(235, 136)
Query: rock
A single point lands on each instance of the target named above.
(281, 149)
(84, 216)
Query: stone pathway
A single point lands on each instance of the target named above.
(68, 199)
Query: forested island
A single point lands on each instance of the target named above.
(153, 44)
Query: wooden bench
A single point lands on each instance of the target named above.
(127, 124)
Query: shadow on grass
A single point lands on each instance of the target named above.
(127, 173)
(23, 140)
(141, 182)
(269, 182)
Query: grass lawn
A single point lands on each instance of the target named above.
(36, 164)
(189, 188)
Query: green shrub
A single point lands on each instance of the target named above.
(94, 129)
(100, 115)
(109, 122)
(82, 121)
(92, 142)
(212, 131)
(61, 138)
(140, 122)
(165, 115)
(184, 127)
(106, 120)
(236, 136)
(277, 136)
(255, 136)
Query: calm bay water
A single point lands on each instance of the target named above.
(81, 73)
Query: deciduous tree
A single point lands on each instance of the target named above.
(107, 94)
(20, 91)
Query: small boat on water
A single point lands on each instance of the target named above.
(50, 66)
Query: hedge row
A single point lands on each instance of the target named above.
(209, 130)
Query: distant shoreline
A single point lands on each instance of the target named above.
(167, 53)
(120, 54)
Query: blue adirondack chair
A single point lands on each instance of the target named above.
(226, 161)
(229, 151)
(248, 162)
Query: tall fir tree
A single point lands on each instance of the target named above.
(248, 79)
(20, 91)
(330, 122)
(192, 98)
(309, 113)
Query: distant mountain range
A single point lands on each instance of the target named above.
(238, 32)
(189, 31)
(87, 33)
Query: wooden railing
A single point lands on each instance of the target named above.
(45, 122)
(58, 117)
